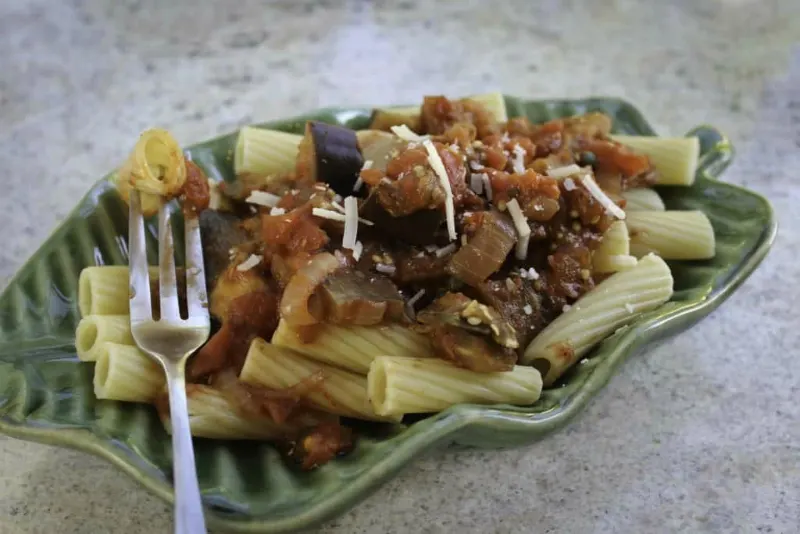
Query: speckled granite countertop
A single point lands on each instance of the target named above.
(701, 434)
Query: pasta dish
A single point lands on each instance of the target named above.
(446, 254)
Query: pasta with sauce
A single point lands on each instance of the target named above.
(446, 254)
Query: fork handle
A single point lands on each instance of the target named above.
(188, 503)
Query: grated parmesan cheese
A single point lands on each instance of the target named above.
(404, 132)
(385, 269)
(438, 167)
(444, 251)
(475, 166)
(476, 183)
(523, 273)
(328, 214)
(367, 165)
(527, 309)
(487, 186)
(277, 211)
(262, 198)
(336, 204)
(523, 230)
(566, 308)
(532, 274)
(601, 197)
(413, 300)
(357, 250)
(518, 161)
(350, 222)
(358, 184)
(249, 263)
(569, 184)
(563, 172)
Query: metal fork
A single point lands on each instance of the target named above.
(170, 340)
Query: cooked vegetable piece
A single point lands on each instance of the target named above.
(329, 154)
(384, 119)
(470, 334)
(379, 147)
(418, 228)
(485, 253)
(221, 232)
(350, 297)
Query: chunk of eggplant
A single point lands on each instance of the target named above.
(419, 228)
(329, 154)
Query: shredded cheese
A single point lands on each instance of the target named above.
(563, 172)
(527, 309)
(413, 300)
(566, 308)
(277, 211)
(523, 230)
(601, 197)
(444, 251)
(358, 184)
(367, 165)
(337, 205)
(249, 263)
(328, 214)
(476, 183)
(569, 185)
(532, 274)
(350, 222)
(518, 161)
(475, 166)
(385, 269)
(438, 167)
(487, 186)
(357, 250)
(404, 132)
(262, 198)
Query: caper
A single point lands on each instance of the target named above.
(587, 158)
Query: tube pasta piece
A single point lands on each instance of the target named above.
(125, 373)
(615, 302)
(642, 199)
(156, 165)
(103, 290)
(342, 392)
(613, 254)
(353, 347)
(94, 330)
(422, 385)
(261, 151)
(409, 115)
(212, 415)
(675, 158)
(673, 235)
(149, 202)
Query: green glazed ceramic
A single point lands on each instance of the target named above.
(46, 393)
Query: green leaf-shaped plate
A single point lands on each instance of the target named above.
(46, 393)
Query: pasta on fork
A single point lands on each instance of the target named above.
(446, 254)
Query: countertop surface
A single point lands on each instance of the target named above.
(699, 434)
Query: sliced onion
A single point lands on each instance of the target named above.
(294, 304)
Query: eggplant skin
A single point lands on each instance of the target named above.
(337, 156)
(221, 232)
(419, 228)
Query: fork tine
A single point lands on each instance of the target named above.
(167, 286)
(137, 263)
(196, 294)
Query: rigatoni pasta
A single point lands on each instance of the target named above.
(642, 199)
(399, 386)
(615, 302)
(341, 392)
(125, 373)
(673, 235)
(613, 254)
(213, 415)
(674, 157)
(261, 151)
(103, 290)
(94, 330)
(353, 347)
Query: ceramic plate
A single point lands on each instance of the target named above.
(46, 393)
